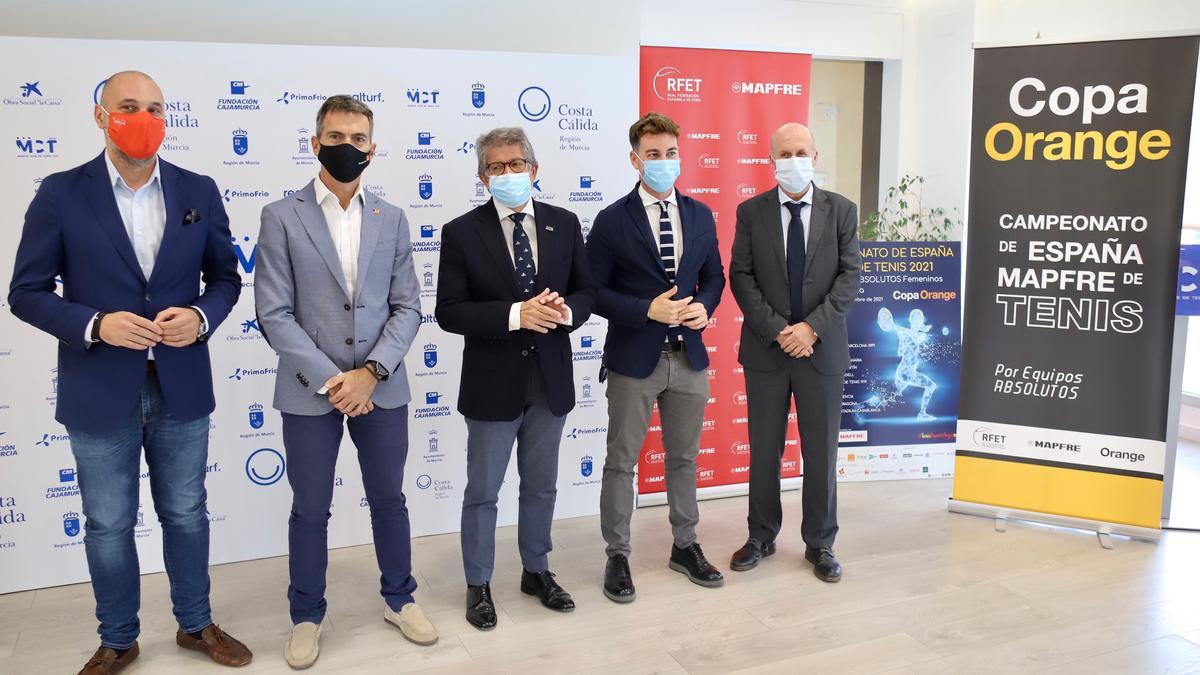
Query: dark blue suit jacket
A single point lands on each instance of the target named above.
(74, 230)
(628, 272)
(476, 290)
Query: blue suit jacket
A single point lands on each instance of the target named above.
(74, 230)
(305, 309)
(628, 272)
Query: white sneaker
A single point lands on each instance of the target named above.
(303, 646)
(413, 624)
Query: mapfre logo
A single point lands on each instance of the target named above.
(769, 88)
(671, 85)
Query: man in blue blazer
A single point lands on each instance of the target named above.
(513, 282)
(132, 238)
(338, 299)
(658, 279)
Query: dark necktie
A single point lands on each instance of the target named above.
(523, 267)
(666, 241)
(795, 260)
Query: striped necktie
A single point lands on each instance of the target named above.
(666, 241)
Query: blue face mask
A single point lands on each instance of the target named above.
(511, 189)
(660, 174)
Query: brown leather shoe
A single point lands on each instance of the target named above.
(105, 661)
(220, 646)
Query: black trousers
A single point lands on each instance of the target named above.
(818, 415)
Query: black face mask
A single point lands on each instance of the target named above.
(344, 162)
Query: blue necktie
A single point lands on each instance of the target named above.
(666, 241)
(795, 261)
(523, 268)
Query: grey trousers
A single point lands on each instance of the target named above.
(818, 415)
(682, 394)
(536, 432)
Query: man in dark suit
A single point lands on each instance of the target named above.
(794, 273)
(132, 238)
(514, 281)
(657, 285)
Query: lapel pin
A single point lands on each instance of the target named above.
(375, 211)
(549, 228)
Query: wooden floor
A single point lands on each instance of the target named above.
(924, 592)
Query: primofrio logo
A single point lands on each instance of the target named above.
(265, 466)
(671, 85)
(534, 103)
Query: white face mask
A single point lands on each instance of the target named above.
(794, 173)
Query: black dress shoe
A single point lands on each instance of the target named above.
(543, 585)
(748, 556)
(481, 611)
(618, 582)
(825, 566)
(691, 561)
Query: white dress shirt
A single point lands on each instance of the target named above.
(785, 214)
(144, 213)
(654, 214)
(346, 227)
(507, 226)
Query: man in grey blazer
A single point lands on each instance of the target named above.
(338, 301)
(794, 272)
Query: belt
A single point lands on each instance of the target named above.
(672, 346)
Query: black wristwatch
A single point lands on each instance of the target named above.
(96, 326)
(377, 371)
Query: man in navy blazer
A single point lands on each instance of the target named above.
(658, 278)
(514, 282)
(132, 238)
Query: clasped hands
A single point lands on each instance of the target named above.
(797, 340)
(681, 312)
(544, 311)
(173, 327)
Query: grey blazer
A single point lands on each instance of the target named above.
(307, 314)
(758, 279)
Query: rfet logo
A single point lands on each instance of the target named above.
(987, 438)
(671, 85)
(747, 137)
(740, 448)
(739, 397)
(708, 161)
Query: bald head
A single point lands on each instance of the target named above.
(130, 85)
(793, 140)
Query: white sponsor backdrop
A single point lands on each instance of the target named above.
(243, 114)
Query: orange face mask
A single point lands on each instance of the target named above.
(136, 134)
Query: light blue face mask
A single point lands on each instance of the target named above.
(794, 173)
(511, 189)
(660, 174)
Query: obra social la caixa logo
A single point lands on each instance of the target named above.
(265, 466)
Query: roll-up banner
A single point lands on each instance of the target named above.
(1079, 157)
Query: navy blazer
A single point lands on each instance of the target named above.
(628, 272)
(476, 289)
(74, 230)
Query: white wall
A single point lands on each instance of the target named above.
(1031, 21)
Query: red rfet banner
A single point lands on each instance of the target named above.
(727, 104)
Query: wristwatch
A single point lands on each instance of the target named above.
(96, 325)
(377, 371)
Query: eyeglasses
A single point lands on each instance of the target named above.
(517, 165)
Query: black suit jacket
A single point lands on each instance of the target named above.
(758, 278)
(476, 290)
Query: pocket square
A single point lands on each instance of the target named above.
(191, 216)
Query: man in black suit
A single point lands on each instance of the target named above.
(514, 282)
(794, 273)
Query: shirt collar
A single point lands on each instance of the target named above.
(504, 211)
(116, 180)
(323, 192)
(649, 199)
(806, 199)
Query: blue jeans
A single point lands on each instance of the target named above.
(108, 470)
